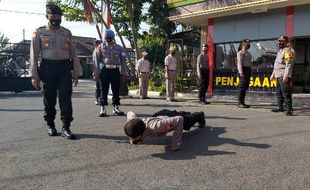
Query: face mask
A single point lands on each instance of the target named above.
(108, 39)
(281, 45)
(55, 22)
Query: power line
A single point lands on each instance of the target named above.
(22, 12)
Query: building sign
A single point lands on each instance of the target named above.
(180, 3)
(260, 82)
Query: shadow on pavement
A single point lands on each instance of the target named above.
(107, 137)
(225, 117)
(199, 141)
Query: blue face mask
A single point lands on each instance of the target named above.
(55, 22)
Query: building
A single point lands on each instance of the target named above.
(14, 63)
(223, 24)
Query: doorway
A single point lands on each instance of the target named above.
(301, 71)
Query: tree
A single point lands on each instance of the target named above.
(3, 41)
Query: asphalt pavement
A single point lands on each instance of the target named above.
(239, 149)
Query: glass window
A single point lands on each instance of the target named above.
(226, 55)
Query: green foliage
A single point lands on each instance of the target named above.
(3, 41)
(158, 19)
(154, 46)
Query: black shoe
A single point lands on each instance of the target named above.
(288, 113)
(103, 112)
(116, 111)
(243, 106)
(277, 110)
(204, 102)
(67, 133)
(202, 121)
(51, 131)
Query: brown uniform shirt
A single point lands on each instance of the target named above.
(161, 125)
(244, 59)
(53, 44)
(202, 62)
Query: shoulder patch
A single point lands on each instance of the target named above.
(289, 55)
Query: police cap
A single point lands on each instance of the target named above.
(144, 53)
(52, 8)
(97, 42)
(283, 38)
(109, 33)
(134, 127)
(247, 41)
(205, 45)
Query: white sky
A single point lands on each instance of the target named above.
(12, 23)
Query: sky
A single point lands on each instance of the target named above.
(13, 23)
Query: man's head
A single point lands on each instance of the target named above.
(109, 35)
(145, 55)
(246, 44)
(205, 48)
(53, 14)
(97, 43)
(282, 41)
(172, 50)
(134, 129)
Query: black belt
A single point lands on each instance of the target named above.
(49, 61)
(144, 72)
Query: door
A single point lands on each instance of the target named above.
(301, 71)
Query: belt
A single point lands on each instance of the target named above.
(112, 66)
(171, 70)
(49, 61)
(145, 72)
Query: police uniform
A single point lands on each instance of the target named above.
(143, 69)
(189, 118)
(100, 65)
(114, 65)
(283, 68)
(54, 61)
(171, 65)
(203, 74)
(160, 126)
(244, 65)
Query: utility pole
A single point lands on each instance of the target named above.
(23, 35)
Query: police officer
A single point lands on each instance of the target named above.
(244, 64)
(99, 61)
(54, 61)
(143, 73)
(282, 72)
(170, 74)
(203, 73)
(114, 68)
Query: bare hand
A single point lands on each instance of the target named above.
(241, 75)
(75, 80)
(35, 82)
(96, 78)
(285, 79)
(272, 77)
(175, 147)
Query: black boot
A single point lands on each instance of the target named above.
(279, 109)
(202, 121)
(116, 110)
(51, 130)
(103, 112)
(243, 105)
(67, 133)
